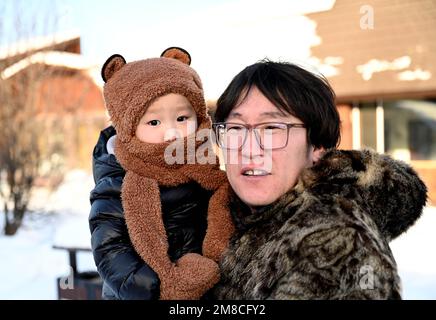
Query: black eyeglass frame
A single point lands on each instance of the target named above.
(250, 127)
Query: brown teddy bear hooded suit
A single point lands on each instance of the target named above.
(129, 89)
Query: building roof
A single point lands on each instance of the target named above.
(60, 50)
(52, 42)
(51, 58)
(394, 58)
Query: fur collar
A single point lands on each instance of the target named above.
(389, 190)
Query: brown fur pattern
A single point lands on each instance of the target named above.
(177, 53)
(131, 87)
(128, 91)
(328, 237)
(112, 65)
(193, 274)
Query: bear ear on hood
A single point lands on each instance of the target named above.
(111, 66)
(178, 54)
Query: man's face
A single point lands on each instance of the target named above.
(259, 177)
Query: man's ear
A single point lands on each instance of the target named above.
(317, 154)
(178, 54)
(111, 66)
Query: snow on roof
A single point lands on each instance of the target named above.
(53, 58)
(37, 43)
(394, 58)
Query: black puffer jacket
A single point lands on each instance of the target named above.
(125, 274)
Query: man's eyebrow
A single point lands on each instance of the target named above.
(273, 114)
(270, 114)
(234, 114)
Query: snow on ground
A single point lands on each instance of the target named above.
(29, 265)
(416, 257)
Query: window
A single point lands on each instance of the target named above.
(410, 129)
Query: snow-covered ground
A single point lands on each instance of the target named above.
(29, 265)
(416, 257)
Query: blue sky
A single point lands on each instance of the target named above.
(222, 36)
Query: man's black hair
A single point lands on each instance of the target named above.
(293, 90)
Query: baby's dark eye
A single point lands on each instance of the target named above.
(153, 123)
(182, 118)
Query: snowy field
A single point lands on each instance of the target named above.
(29, 265)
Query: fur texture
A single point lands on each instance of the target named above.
(328, 237)
(129, 89)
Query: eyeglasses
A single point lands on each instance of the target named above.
(269, 135)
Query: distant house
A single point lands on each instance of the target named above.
(380, 58)
(69, 98)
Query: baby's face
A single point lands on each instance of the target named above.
(169, 117)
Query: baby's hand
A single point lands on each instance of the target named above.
(202, 266)
(197, 274)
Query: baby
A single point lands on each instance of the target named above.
(170, 207)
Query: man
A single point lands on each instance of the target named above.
(310, 223)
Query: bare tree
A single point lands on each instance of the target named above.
(20, 120)
(19, 149)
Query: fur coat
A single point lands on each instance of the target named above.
(328, 237)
